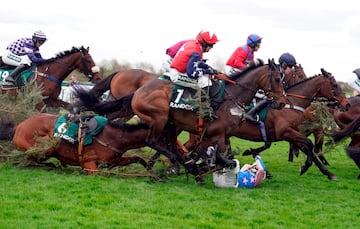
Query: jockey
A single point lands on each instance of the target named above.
(189, 61)
(251, 176)
(287, 62)
(170, 54)
(243, 56)
(22, 52)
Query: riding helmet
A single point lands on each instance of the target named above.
(39, 36)
(253, 40)
(288, 59)
(206, 38)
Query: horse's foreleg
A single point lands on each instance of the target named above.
(319, 141)
(307, 147)
(256, 151)
(293, 150)
(90, 167)
(152, 160)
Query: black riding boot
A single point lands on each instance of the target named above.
(13, 77)
(250, 115)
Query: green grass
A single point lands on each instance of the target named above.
(40, 198)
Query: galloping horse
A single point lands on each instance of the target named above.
(318, 133)
(151, 104)
(107, 147)
(53, 71)
(284, 124)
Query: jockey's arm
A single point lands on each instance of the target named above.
(196, 67)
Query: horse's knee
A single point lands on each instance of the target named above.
(90, 167)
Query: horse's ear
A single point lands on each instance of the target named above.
(325, 73)
(87, 49)
(272, 63)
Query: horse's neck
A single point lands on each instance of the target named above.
(247, 87)
(303, 94)
(59, 68)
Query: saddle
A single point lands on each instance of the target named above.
(71, 127)
(6, 70)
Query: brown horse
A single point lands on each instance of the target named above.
(107, 147)
(284, 124)
(349, 121)
(53, 71)
(318, 133)
(151, 104)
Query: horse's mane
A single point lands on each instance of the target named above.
(65, 53)
(236, 75)
(303, 81)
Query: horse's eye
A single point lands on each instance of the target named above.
(277, 80)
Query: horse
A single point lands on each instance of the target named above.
(349, 121)
(52, 72)
(108, 147)
(318, 133)
(151, 104)
(293, 77)
(284, 124)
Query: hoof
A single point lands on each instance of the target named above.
(173, 170)
(200, 180)
(332, 177)
(303, 169)
(246, 153)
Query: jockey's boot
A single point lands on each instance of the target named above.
(207, 105)
(250, 115)
(13, 77)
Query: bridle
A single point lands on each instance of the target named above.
(84, 68)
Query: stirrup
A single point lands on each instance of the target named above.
(10, 80)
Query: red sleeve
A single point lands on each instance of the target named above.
(238, 59)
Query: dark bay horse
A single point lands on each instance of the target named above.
(284, 124)
(319, 132)
(151, 104)
(107, 147)
(53, 71)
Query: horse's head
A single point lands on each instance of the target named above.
(87, 66)
(339, 95)
(266, 77)
(295, 76)
(273, 82)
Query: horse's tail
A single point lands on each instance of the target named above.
(7, 128)
(354, 125)
(123, 104)
(102, 86)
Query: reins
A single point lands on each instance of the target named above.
(298, 96)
